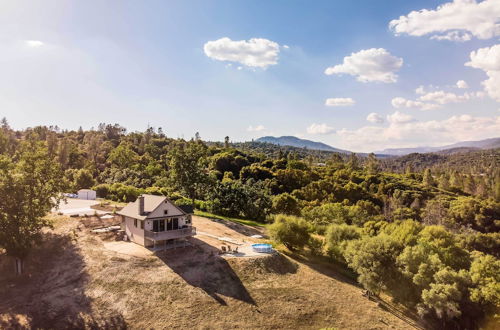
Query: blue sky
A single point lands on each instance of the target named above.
(180, 65)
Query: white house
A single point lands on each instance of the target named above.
(87, 194)
(155, 221)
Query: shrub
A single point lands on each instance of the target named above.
(293, 232)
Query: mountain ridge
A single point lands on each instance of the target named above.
(294, 141)
(490, 143)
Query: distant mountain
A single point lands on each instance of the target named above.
(299, 143)
(452, 148)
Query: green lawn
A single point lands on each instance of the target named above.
(241, 221)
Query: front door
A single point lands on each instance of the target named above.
(175, 223)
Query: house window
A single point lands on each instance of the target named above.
(135, 223)
(142, 224)
(165, 211)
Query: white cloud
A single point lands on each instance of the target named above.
(256, 52)
(375, 118)
(399, 118)
(488, 60)
(33, 43)
(375, 64)
(257, 128)
(462, 84)
(442, 97)
(399, 134)
(286, 46)
(453, 36)
(400, 102)
(458, 20)
(319, 129)
(420, 90)
(339, 102)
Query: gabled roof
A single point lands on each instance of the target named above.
(151, 203)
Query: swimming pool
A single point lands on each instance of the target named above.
(262, 248)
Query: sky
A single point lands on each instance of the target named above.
(359, 75)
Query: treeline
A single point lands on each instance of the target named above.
(433, 230)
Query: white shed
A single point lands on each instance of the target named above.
(87, 194)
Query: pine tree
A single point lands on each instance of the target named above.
(427, 179)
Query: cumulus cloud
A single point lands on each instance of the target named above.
(33, 43)
(462, 84)
(399, 118)
(420, 90)
(400, 102)
(256, 52)
(442, 97)
(257, 128)
(375, 118)
(412, 133)
(375, 64)
(339, 102)
(458, 20)
(319, 129)
(488, 60)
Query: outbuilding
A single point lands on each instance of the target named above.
(88, 194)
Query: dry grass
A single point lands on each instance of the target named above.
(73, 281)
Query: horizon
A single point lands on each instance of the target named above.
(358, 76)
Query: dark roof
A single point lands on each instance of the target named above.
(189, 209)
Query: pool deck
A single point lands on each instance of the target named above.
(246, 251)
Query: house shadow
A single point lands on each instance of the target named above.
(201, 266)
(51, 292)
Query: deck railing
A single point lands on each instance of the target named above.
(170, 234)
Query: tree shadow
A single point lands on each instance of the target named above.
(201, 266)
(341, 273)
(51, 292)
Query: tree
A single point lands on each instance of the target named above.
(291, 231)
(374, 259)
(187, 168)
(286, 204)
(83, 179)
(427, 179)
(485, 276)
(30, 186)
(372, 164)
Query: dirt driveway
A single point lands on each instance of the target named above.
(77, 206)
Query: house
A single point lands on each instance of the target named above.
(88, 194)
(155, 221)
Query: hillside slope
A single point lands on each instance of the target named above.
(74, 281)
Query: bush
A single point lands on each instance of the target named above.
(285, 203)
(337, 237)
(293, 232)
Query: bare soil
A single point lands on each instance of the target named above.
(73, 280)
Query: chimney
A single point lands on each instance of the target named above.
(141, 205)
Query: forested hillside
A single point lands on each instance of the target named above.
(422, 228)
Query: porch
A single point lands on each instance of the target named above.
(170, 234)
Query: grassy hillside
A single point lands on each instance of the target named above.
(72, 280)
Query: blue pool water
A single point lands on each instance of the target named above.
(262, 248)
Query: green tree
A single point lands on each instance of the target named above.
(187, 164)
(374, 259)
(372, 164)
(485, 276)
(427, 179)
(83, 179)
(30, 186)
(286, 204)
(293, 232)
